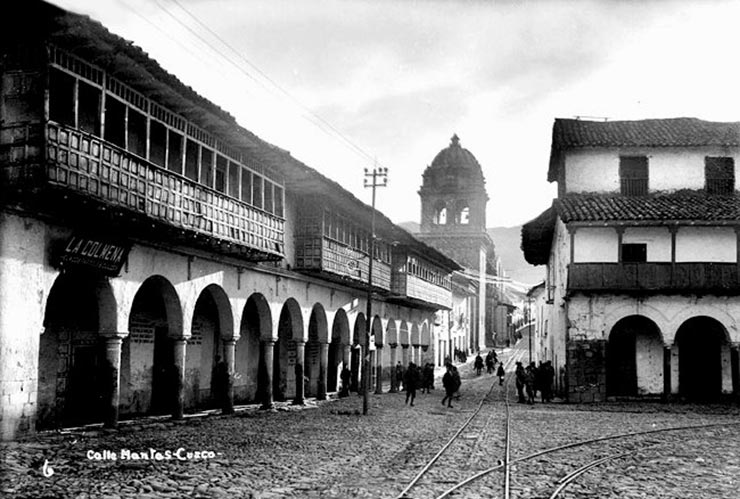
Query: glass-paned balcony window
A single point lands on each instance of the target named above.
(157, 143)
(174, 152)
(191, 160)
(115, 122)
(206, 167)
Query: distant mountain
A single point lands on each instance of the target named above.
(508, 248)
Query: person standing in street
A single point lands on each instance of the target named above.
(478, 364)
(448, 382)
(345, 378)
(501, 373)
(410, 381)
(521, 379)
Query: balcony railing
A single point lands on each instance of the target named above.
(415, 287)
(318, 253)
(634, 186)
(655, 277)
(96, 168)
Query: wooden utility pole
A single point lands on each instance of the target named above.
(377, 177)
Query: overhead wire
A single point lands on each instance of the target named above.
(264, 80)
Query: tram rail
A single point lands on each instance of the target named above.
(507, 462)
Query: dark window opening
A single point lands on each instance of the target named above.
(246, 186)
(221, 165)
(191, 160)
(61, 97)
(634, 253)
(234, 180)
(115, 122)
(206, 167)
(720, 175)
(174, 152)
(257, 192)
(137, 133)
(633, 174)
(88, 112)
(279, 207)
(268, 198)
(157, 143)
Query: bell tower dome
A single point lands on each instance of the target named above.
(453, 193)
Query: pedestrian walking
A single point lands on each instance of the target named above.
(410, 382)
(427, 376)
(548, 376)
(489, 362)
(458, 382)
(521, 376)
(448, 382)
(478, 365)
(529, 380)
(501, 373)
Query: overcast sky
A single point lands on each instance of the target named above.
(398, 77)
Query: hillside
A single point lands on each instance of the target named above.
(507, 241)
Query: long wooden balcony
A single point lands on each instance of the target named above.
(416, 288)
(94, 168)
(316, 253)
(654, 277)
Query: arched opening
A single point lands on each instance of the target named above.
(290, 327)
(317, 334)
(426, 341)
(440, 213)
(212, 321)
(634, 358)
(462, 213)
(339, 340)
(377, 332)
(250, 376)
(74, 375)
(149, 377)
(415, 339)
(358, 341)
(701, 343)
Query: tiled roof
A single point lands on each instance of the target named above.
(679, 206)
(670, 132)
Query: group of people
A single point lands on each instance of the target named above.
(414, 377)
(491, 361)
(533, 379)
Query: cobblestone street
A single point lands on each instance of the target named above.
(330, 450)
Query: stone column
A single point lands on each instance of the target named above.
(405, 356)
(113, 374)
(417, 355)
(323, 369)
(674, 368)
(268, 351)
(666, 372)
(229, 349)
(379, 370)
(179, 345)
(300, 349)
(394, 385)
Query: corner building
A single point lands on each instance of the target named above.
(642, 248)
(144, 234)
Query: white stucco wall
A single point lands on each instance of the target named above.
(595, 244)
(706, 244)
(657, 239)
(597, 170)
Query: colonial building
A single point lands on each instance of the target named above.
(453, 220)
(642, 256)
(144, 234)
